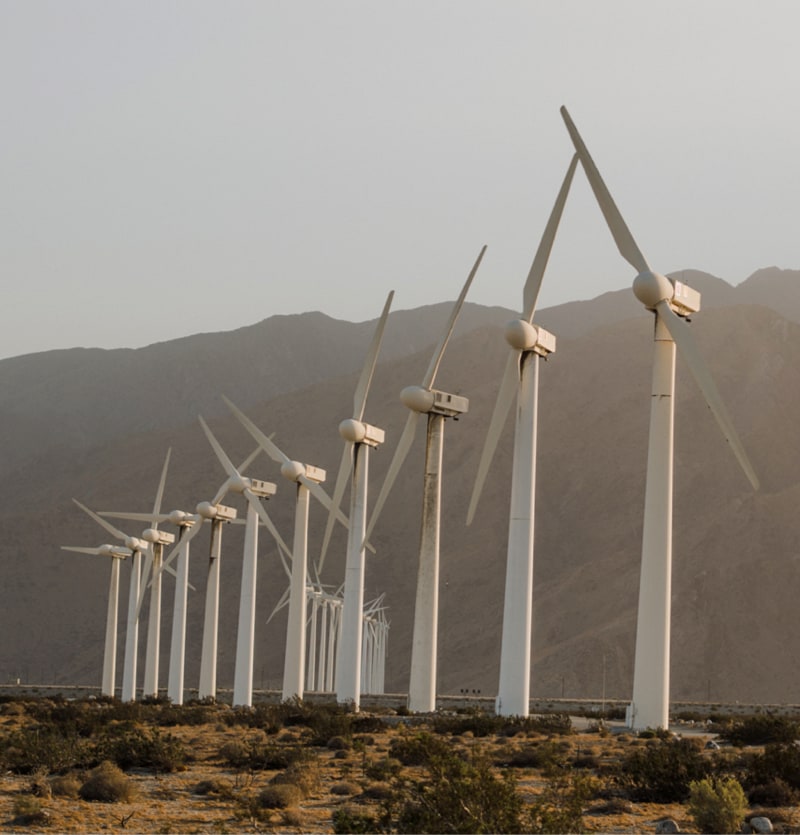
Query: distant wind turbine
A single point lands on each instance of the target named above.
(359, 438)
(437, 405)
(528, 344)
(672, 303)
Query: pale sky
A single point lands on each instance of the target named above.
(168, 168)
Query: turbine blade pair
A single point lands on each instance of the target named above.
(359, 405)
(414, 418)
(677, 327)
(511, 376)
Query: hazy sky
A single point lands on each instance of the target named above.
(174, 167)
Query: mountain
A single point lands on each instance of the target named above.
(96, 424)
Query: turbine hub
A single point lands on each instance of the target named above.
(178, 517)
(134, 544)
(150, 535)
(293, 470)
(651, 288)
(521, 335)
(239, 484)
(207, 510)
(106, 550)
(417, 399)
(353, 430)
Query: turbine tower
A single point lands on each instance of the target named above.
(437, 405)
(521, 375)
(671, 302)
(116, 554)
(359, 438)
(253, 490)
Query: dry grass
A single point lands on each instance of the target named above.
(219, 792)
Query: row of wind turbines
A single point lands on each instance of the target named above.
(341, 644)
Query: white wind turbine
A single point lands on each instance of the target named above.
(671, 302)
(308, 480)
(437, 405)
(253, 490)
(110, 651)
(136, 546)
(521, 376)
(359, 438)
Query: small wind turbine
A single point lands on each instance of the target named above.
(671, 302)
(136, 546)
(437, 405)
(521, 376)
(359, 438)
(253, 490)
(110, 652)
(308, 480)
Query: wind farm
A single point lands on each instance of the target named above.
(462, 633)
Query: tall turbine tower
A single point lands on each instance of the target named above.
(308, 480)
(521, 375)
(253, 490)
(437, 405)
(116, 554)
(359, 438)
(671, 302)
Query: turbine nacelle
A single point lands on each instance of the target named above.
(216, 511)
(180, 518)
(524, 336)
(358, 432)
(427, 401)
(263, 489)
(157, 537)
(135, 544)
(113, 551)
(653, 288)
(295, 471)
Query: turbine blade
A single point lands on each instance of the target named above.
(533, 284)
(136, 517)
(160, 491)
(364, 381)
(505, 397)
(263, 441)
(619, 229)
(226, 462)
(79, 550)
(280, 604)
(433, 368)
(115, 532)
(682, 336)
(400, 453)
(270, 526)
(250, 458)
(345, 467)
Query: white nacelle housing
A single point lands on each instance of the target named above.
(158, 537)
(685, 299)
(358, 432)
(216, 511)
(264, 489)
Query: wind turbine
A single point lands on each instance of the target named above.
(359, 438)
(136, 546)
(437, 405)
(671, 302)
(308, 480)
(110, 651)
(157, 540)
(521, 376)
(253, 490)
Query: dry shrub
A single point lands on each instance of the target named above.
(65, 785)
(28, 810)
(215, 786)
(345, 787)
(108, 784)
(303, 775)
(279, 796)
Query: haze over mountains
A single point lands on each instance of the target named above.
(96, 425)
